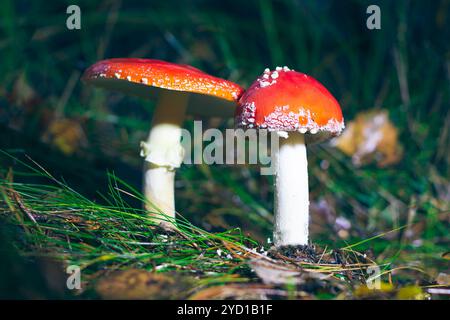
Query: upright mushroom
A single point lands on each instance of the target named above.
(301, 111)
(181, 89)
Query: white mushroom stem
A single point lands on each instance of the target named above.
(291, 192)
(163, 154)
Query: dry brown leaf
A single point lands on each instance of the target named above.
(23, 94)
(271, 273)
(235, 292)
(411, 293)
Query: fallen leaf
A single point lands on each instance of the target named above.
(246, 292)
(137, 284)
(271, 273)
(281, 274)
(363, 291)
(23, 94)
(66, 134)
(235, 292)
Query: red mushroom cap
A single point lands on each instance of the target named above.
(136, 76)
(286, 100)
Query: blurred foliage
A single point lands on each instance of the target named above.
(79, 132)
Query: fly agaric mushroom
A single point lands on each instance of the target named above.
(181, 89)
(300, 110)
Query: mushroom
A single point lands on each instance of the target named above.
(181, 90)
(301, 111)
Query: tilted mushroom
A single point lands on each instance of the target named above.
(301, 111)
(181, 90)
